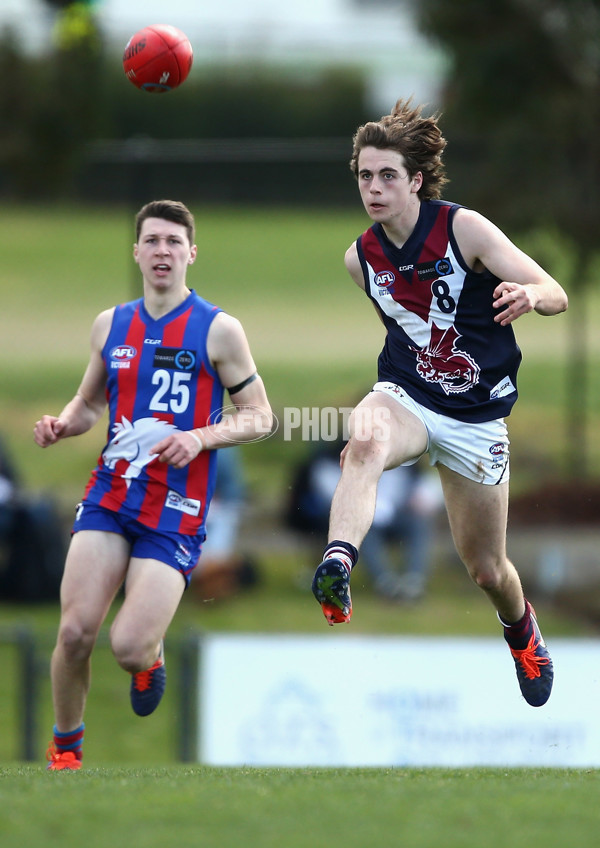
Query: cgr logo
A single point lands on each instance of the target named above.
(384, 279)
(123, 352)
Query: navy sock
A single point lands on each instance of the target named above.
(343, 551)
(518, 634)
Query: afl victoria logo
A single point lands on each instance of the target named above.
(384, 279)
(123, 352)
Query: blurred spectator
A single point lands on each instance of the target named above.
(409, 499)
(223, 569)
(32, 540)
(8, 493)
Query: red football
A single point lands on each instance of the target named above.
(158, 58)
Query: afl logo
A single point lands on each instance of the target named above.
(384, 279)
(123, 352)
(497, 449)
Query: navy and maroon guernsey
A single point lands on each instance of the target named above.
(442, 344)
(159, 379)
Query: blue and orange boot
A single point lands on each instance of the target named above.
(148, 687)
(331, 588)
(533, 664)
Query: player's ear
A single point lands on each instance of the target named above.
(135, 252)
(417, 181)
(193, 254)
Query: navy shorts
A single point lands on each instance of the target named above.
(177, 550)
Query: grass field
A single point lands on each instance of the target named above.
(315, 342)
(298, 808)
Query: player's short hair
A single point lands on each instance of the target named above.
(418, 139)
(168, 210)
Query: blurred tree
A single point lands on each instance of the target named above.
(522, 100)
(242, 102)
(52, 106)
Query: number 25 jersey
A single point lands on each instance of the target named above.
(159, 380)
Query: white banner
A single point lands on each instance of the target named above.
(344, 700)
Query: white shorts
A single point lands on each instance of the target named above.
(477, 451)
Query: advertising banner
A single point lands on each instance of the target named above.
(341, 700)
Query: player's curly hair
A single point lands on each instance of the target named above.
(418, 139)
(168, 210)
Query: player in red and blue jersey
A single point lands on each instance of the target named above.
(447, 285)
(160, 364)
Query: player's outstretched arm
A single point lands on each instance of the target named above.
(524, 286)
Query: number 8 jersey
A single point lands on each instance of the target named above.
(442, 344)
(159, 379)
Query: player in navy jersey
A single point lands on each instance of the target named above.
(160, 364)
(447, 285)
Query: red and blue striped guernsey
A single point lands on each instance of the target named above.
(159, 379)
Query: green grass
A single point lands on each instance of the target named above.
(299, 808)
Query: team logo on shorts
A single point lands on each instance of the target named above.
(499, 455)
(183, 556)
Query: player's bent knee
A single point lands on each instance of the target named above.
(366, 452)
(132, 654)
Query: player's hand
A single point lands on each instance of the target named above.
(178, 449)
(48, 430)
(512, 300)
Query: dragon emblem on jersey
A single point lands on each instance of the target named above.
(441, 362)
(132, 442)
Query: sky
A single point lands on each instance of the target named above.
(378, 36)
